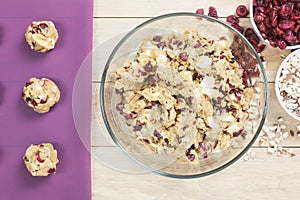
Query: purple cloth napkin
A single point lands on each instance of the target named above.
(20, 126)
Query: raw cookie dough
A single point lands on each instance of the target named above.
(184, 92)
(41, 36)
(41, 94)
(41, 160)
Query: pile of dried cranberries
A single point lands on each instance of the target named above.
(278, 21)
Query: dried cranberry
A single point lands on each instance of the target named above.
(216, 142)
(23, 94)
(38, 157)
(183, 56)
(146, 140)
(142, 73)
(260, 10)
(286, 24)
(274, 17)
(260, 48)
(238, 28)
(212, 11)
(232, 19)
(161, 45)
(253, 39)
(237, 133)
(281, 44)
(295, 14)
(197, 45)
(51, 171)
(120, 107)
(297, 28)
(200, 11)
(259, 18)
(286, 10)
(278, 31)
(157, 38)
(131, 115)
(43, 26)
(242, 11)
(205, 155)
(117, 91)
(249, 32)
(137, 128)
(148, 67)
(191, 157)
(28, 83)
(261, 27)
(288, 36)
(157, 134)
(43, 101)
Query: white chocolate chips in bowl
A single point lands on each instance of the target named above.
(287, 84)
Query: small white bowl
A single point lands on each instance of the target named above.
(278, 75)
(251, 11)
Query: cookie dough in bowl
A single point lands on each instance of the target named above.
(41, 160)
(184, 95)
(41, 94)
(41, 36)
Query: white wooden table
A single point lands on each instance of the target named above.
(264, 177)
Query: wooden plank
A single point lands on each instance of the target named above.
(264, 177)
(103, 40)
(137, 8)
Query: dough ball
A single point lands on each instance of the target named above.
(41, 36)
(41, 94)
(41, 160)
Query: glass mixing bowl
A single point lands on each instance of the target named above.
(191, 111)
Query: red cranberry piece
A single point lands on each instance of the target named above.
(249, 32)
(216, 142)
(260, 48)
(131, 115)
(157, 38)
(191, 157)
(197, 45)
(161, 45)
(274, 17)
(146, 140)
(33, 102)
(43, 26)
(38, 157)
(23, 94)
(183, 56)
(28, 83)
(43, 101)
(253, 39)
(286, 24)
(51, 171)
(281, 44)
(297, 5)
(120, 107)
(212, 11)
(278, 31)
(142, 73)
(260, 10)
(205, 155)
(237, 133)
(288, 36)
(254, 2)
(286, 10)
(258, 18)
(297, 28)
(157, 134)
(150, 68)
(242, 11)
(200, 11)
(262, 28)
(232, 19)
(238, 28)
(137, 128)
(120, 92)
(296, 14)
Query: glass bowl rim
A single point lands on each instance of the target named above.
(183, 14)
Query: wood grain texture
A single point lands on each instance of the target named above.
(264, 177)
(138, 8)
